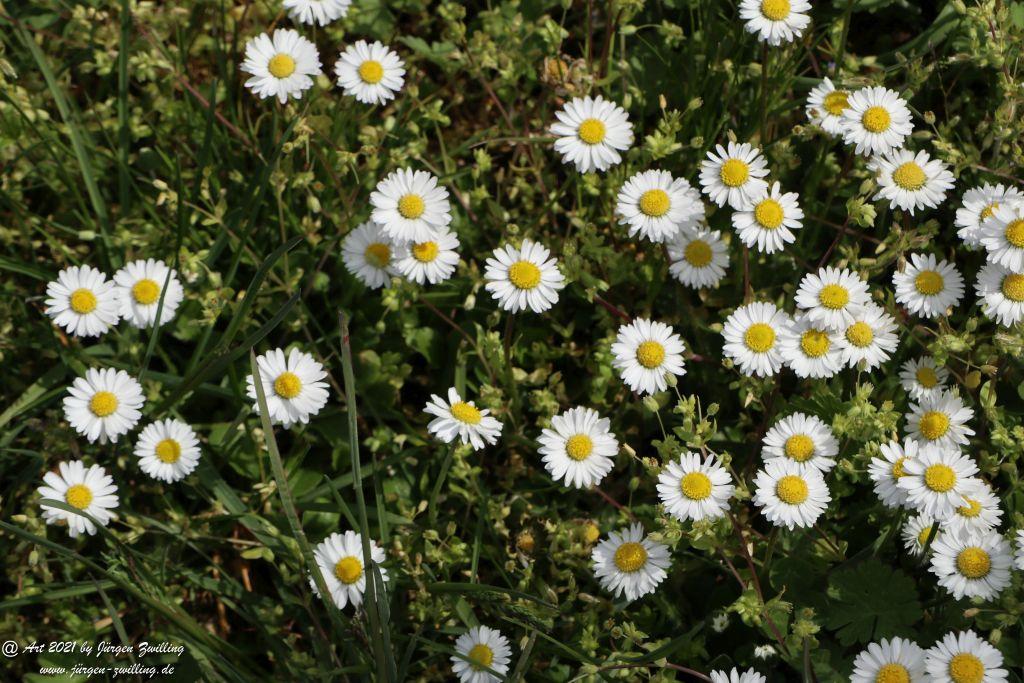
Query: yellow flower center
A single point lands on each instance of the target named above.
(815, 343)
(378, 254)
(876, 119)
(695, 486)
(897, 468)
(922, 537)
(630, 557)
(800, 447)
(909, 176)
(78, 496)
(966, 668)
(524, 275)
(281, 65)
(892, 673)
(833, 296)
(650, 354)
(836, 102)
(989, 210)
(927, 377)
(287, 385)
(791, 489)
(775, 10)
(579, 447)
(734, 172)
(348, 569)
(168, 451)
(972, 509)
(103, 403)
(973, 562)
(1013, 287)
(371, 71)
(146, 292)
(463, 412)
(860, 334)
(929, 282)
(480, 656)
(591, 131)
(411, 206)
(697, 253)
(425, 252)
(1015, 233)
(769, 214)
(655, 203)
(939, 477)
(759, 338)
(83, 301)
(934, 425)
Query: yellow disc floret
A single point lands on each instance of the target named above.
(103, 403)
(591, 131)
(377, 254)
(897, 468)
(876, 119)
(972, 509)
(934, 425)
(800, 447)
(579, 447)
(910, 176)
(836, 102)
(892, 673)
(768, 213)
(524, 275)
(939, 478)
(281, 65)
(168, 451)
(371, 71)
(655, 203)
(83, 301)
(630, 557)
(348, 569)
(973, 562)
(834, 296)
(1013, 287)
(463, 412)
(734, 172)
(411, 206)
(759, 338)
(146, 292)
(929, 282)
(1015, 233)
(775, 10)
(650, 354)
(425, 252)
(926, 377)
(78, 496)
(480, 656)
(697, 253)
(966, 668)
(860, 334)
(791, 489)
(287, 385)
(815, 343)
(695, 486)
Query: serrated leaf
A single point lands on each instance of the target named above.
(872, 601)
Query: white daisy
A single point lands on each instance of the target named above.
(1018, 558)
(692, 490)
(886, 470)
(775, 21)
(927, 286)
(140, 285)
(282, 66)
(698, 258)
(752, 334)
(293, 386)
(591, 133)
(340, 558)
(83, 301)
(870, 339)
(431, 261)
(876, 120)
(734, 676)
(825, 107)
(1001, 293)
(630, 564)
(90, 490)
(791, 496)
(644, 352)
(734, 175)
(801, 439)
(104, 404)
(524, 278)
(916, 531)
(462, 419)
(810, 349)
(370, 72)
(320, 12)
(972, 565)
(410, 206)
(964, 658)
(767, 222)
(579, 448)
(889, 661)
(369, 254)
(167, 450)
(657, 206)
(979, 515)
(481, 648)
(935, 480)
(979, 203)
(832, 296)
(911, 181)
(940, 420)
(1002, 235)
(922, 377)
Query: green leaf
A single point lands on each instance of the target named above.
(872, 601)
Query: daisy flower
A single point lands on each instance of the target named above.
(801, 439)
(320, 12)
(940, 420)
(911, 181)
(922, 377)
(1018, 558)
(767, 222)
(479, 649)
(927, 286)
(936, 480)
(579, 448)
(656, 206)
(591, 132)
(775, 21)
(1001, 292)
(462, 419)
(692, 490)
(293, 386)
(90, 490)
(644, 351)
(979, 515)
(629, 563)
(889, 661)
(870, 339)
(369, 255)
(790, 495)
(104, 404)
(698, 258)
(410, 206)
(916, 531)
(734, 175)
(972, 565)
(832, 296)
(83, 301)
(282, 66)
(1003, 236)
(167, 450)
(810, 349)
(524, 278)
(752, 335)
(734, 676)
(979, 203)
(431, 261)
(876, 121)
(370, 72)
(340, 559)
(964, 658)
(140, 285)
(825, 107)
(886, 470)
